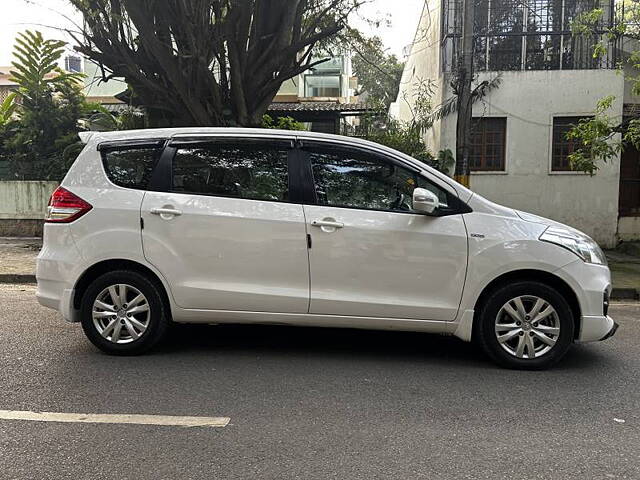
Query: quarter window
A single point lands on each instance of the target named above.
(353, 179)
(255, 172)
(488, 145)
(131, 167)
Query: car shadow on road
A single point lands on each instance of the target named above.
(349, 344)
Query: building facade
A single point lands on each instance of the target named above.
(548, 80)
(323, 98)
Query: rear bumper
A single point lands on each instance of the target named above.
(596, 328)
(54, 295)
(55, 267)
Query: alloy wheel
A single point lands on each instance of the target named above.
(121, 313)
(527, 327)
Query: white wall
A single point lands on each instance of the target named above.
(629, 229)
(423, 62)
(530, 100)
(24, 200)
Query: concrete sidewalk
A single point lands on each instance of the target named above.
(18, 265)
(18, 259)
(625, 274)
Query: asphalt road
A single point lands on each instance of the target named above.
(313, 404)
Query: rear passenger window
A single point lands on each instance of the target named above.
(255, 172)
(131, 167)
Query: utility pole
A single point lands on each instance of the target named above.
(465, 76)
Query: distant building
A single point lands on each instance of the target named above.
(550, 79)
(99, 91)
(323, 97)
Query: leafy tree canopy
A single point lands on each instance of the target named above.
(207, 62)
(49, 105)
(602, 137)
(379, 73)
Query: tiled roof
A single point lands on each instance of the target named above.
(5, 76)
(320, 107)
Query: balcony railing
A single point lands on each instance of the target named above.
(531, 35)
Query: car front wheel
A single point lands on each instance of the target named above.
(123, 313)
(525, 325)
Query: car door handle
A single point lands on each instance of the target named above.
(327, 223)
(166, 211)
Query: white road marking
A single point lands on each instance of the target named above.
(162, 420)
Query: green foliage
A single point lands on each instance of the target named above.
(594, 139)
(105, 121)
(403, 138)
(587, 22)
(36, 71)
(281, 123)
(99, 119)
(379, 74)
(603, 137)
(51, 102)
(407, 137)
(7, 109)
(445, 161)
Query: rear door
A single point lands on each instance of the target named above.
(224, 229)
(371, 255)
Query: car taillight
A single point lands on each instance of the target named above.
(65, 207)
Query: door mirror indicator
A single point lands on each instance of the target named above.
(425, 201)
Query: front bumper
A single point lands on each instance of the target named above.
(612, 332)
(596, 328)
(592, 286)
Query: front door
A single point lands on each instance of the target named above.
(224, 232)
(370, 255)
(629, 204)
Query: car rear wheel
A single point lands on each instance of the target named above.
(525, 325)
(122, 313)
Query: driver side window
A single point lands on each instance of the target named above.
(354, 179)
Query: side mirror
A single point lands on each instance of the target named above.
(425, 201)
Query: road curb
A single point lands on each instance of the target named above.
(625, 294)
(17, 278)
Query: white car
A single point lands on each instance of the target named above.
(207, 225)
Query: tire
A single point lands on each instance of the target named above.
(147, 310)
(529, 339)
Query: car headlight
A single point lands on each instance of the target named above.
(580, 244)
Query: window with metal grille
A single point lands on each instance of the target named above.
(488, 145)
(530, 35)
(562, 146)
